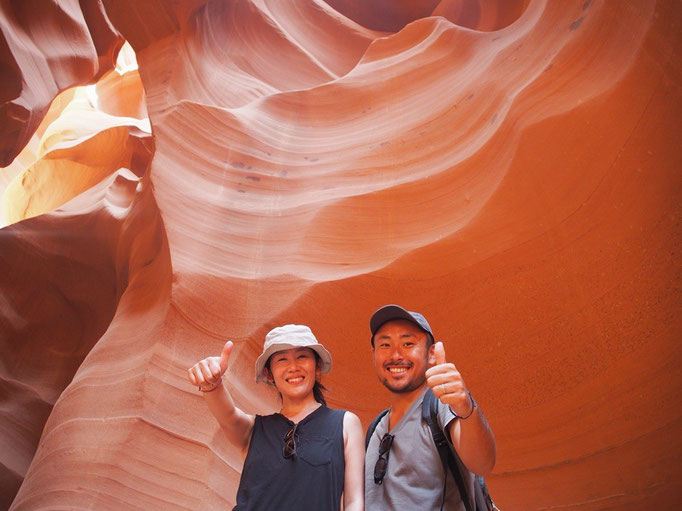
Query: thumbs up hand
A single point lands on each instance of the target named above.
(225, 356)
(439, 353)
(447, 383)
(207, 374)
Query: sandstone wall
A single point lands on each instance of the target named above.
(509, 168)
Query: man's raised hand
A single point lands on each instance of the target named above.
(447, 384)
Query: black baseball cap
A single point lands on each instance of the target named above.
(391, 312)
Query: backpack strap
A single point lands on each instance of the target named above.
(430, 415)
(484, 496)
(373, 426)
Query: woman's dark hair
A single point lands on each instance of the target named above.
(318, 388)
(317, 393)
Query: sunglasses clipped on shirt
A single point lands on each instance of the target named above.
(290, 439)
(382, 462)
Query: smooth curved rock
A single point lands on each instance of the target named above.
(511, 169)
(46, 47)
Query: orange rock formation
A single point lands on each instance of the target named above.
(510, 168)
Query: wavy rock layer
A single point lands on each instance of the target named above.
(45, 48)
(509, 168)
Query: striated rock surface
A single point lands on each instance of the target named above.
(46, 47)
(511, 169)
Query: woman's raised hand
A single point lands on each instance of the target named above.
(207, 374)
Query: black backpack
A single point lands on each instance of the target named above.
(481, 500)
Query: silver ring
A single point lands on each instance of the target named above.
(443, 388)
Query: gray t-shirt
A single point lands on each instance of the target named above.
(414, 478)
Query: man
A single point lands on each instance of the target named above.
(402, 467)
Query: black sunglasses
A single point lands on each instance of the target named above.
(290, 439)
(382, 462)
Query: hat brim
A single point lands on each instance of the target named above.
(325, 358)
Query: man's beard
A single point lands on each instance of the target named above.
(413, 385)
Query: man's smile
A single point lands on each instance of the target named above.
(398, 368)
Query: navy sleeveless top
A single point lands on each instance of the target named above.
(312, 479)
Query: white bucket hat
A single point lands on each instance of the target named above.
(285, 338)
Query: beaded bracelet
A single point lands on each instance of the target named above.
(216, 385)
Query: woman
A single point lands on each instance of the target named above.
(307, 456)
